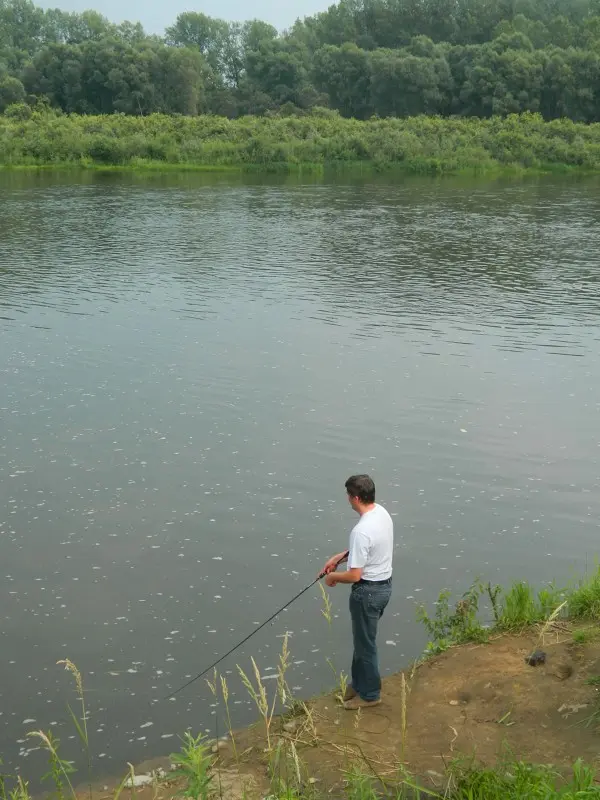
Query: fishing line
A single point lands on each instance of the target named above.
(256, 630)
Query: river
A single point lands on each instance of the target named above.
(192, 366)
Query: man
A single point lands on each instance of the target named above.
(369, 573)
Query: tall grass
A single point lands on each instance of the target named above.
(322, 139)
(584, 600)
(518, 781)
(81, 724)
(522, 606)
(339, 675)
(514, 609)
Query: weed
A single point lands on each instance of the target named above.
(81, 727)
(258, 693)
(340, 677)
(327, 608)
(220, 681)
(126, 780)
(358, 785)
(288, 774)
(3, 778)
(584, 601)
(194, 764)
(521, 606)
(285, 793)
(518, 780)
(130, 780)
(283, 690)
(448, 628)
(403, 720)
(60, 769)
(225, 693)
(518, 607)
(593, 680)
(21, 790)
(582, 636)
(259, 696)
(493, 592)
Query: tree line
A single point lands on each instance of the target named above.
(362, 58)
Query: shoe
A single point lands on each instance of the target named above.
(350, 693)
(357, 702)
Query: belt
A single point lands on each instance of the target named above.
(374, 583)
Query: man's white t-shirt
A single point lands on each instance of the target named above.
(372, 545)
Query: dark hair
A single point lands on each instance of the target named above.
(361, 486)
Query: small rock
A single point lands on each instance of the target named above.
(139, 780)
(536, 658)
(290, 726)
(218, 746)
(453, 702)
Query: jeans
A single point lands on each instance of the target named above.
(367, 604)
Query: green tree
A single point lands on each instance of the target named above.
(21, 25)
(105, 76)
(179, 77)
(344, 74)
(209, 35)
(11, 91)
(56, 73)
(256, 32)
(557, 97)
(276, 70)
(405, 85)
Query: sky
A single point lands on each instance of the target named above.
(156, 15)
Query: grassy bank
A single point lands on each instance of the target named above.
(318, 141)
(311, 750)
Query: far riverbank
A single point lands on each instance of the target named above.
(317, 142)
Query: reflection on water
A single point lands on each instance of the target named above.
(191, 368)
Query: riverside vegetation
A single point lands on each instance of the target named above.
(430, 87)
(198, 771)
(317, 140)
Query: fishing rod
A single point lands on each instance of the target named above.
(256, 630)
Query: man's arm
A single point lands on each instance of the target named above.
(334, 562)
(349, 576)
(357, 560)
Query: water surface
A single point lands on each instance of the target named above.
(192, 367)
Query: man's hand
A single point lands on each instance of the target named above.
(334, 562)
(331, 580)
(331, 565)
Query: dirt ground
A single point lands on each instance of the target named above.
(474, 700)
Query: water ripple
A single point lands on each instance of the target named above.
(192, 369)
